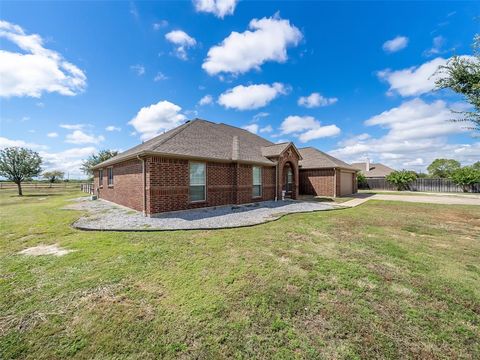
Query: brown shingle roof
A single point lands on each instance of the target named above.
(316, 159)
(274, 150)
(376, 169)
(202, 139)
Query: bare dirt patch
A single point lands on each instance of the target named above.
(45, 250)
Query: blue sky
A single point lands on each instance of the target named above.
(353, 79)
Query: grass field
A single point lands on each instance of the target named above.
(384, 280)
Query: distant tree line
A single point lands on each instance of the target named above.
(18, 164)
(440, 168)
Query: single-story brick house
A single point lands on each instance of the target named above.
(373, 170)
(202, 164)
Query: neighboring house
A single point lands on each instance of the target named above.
(201, 164)
(324, 175)
(373, 170)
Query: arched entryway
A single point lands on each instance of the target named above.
(288, 180)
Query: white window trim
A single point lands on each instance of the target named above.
(110, 168)
(100, 178)
(261, 182)
(204, 182)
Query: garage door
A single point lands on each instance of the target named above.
(346, 183)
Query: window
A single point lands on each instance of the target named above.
(100, 177)
(257, 181)
(197, 181)
(289, 180)
(110, 176)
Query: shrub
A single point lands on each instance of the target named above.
(466, 177)
(401, 179)
(361, 180)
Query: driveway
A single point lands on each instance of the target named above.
(445, 199)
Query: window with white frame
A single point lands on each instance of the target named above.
(110, 176)
(197, 181)
(257, 181)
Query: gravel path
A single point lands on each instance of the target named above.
(103, 215)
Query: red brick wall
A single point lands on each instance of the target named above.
(318, 182)
(127, 186)
(227, 183)
(288, 156)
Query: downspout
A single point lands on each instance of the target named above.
(334, 182)
(144, 175)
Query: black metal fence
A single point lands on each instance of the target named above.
(429, 185)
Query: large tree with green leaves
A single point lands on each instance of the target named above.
(401, 179)
(466, 177)
(462, 75)
(96, 159)
(443, 168)
(19, 164)
(53, 175)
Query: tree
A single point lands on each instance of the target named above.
(462, 75)
(443, 168)
(18, 164)
(53, 175)
(466, 177)
(361, 180)
(476, 165)
(96, 159)
(401, 179)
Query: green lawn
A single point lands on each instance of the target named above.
(385, 280)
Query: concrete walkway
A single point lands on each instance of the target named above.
(420, 198)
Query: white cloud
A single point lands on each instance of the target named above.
(206, 100)
(253, 128)
(251, 97)
(396, 44)
(412, 81)
(259, 116)
(266, 40)
(307, 128)
(266, 129)
(156, 118)
(138, 69)
(416, 80)
(436, 48)
(160, 76)
(315, 100)
(415, 130)
(182, 40)
(79, 137)
(5, 142)
(160, 25)
(52, 134)
(68, 161)
(72, 126)
(112, 128)
(219, 8)
(319, 132)
(35, 70)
